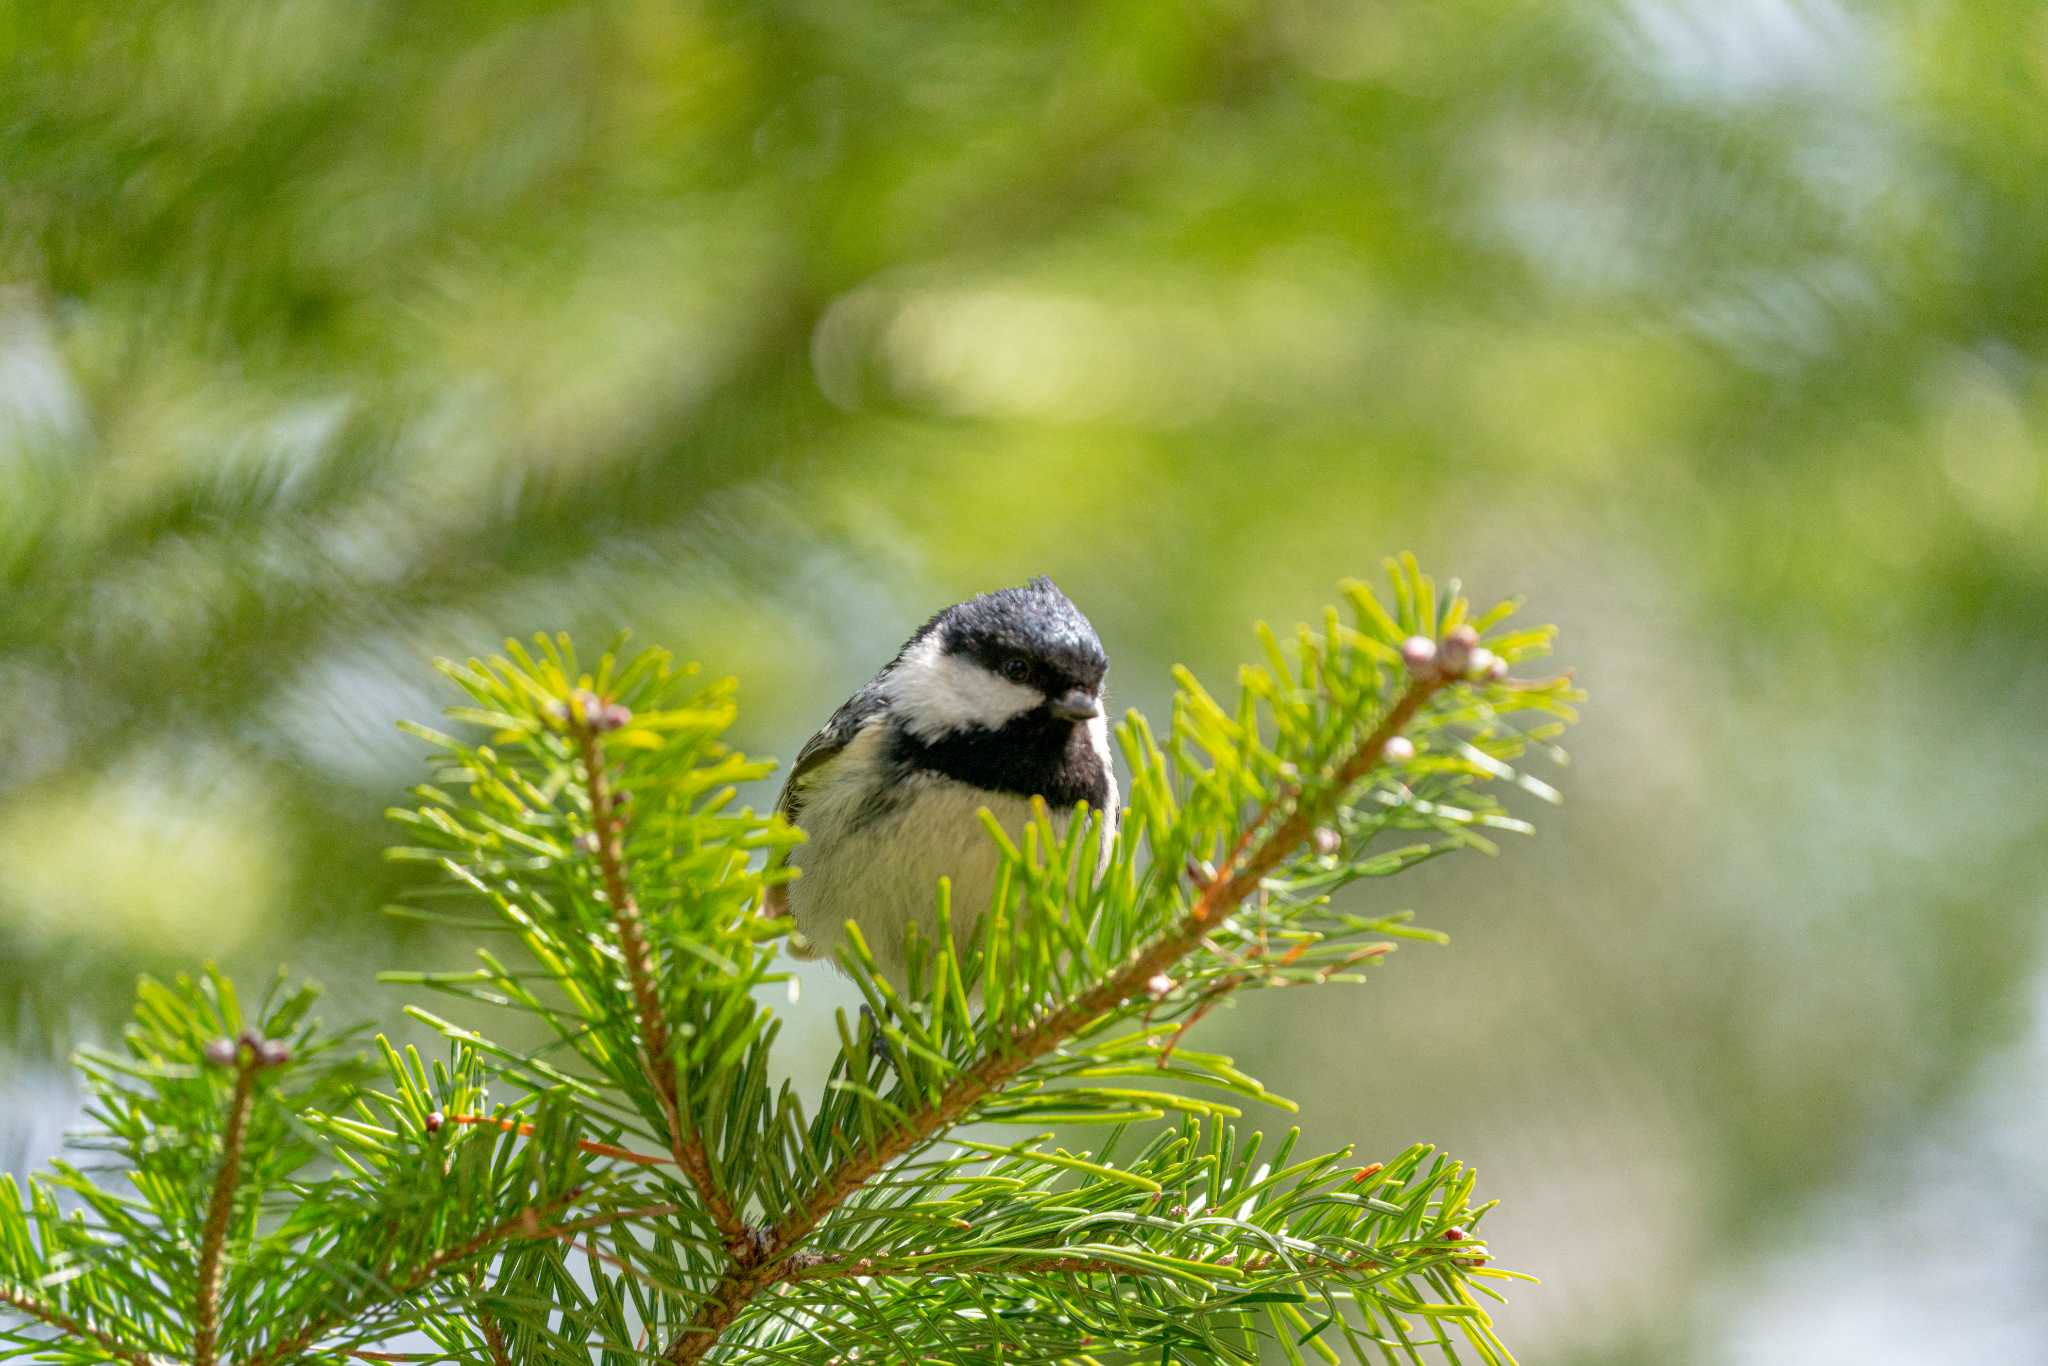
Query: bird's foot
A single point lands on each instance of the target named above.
(878, 1047)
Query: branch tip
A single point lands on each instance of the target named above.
(220, 1208)
(657, 1057)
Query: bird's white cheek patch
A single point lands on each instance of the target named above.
(934, 692)
(1098, 740)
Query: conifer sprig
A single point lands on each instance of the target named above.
(588, 718)
(643, 1187)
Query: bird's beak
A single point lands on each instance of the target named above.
(1077, 704)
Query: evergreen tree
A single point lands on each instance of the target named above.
(1019, 1154)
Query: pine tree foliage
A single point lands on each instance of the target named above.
(1019, 1154)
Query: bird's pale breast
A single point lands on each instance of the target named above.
(880, 841)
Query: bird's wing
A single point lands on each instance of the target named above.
(811, 761)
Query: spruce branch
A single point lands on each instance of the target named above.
(247, 1059)
(487, 1325)
(42, 1310)
(589, 717)
(1256, 852)
(598, 821)
(526, 1130)
(527, 1223)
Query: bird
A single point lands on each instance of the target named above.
(992, 702)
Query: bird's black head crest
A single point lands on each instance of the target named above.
(1036, 623)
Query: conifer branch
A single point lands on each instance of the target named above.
(1251, 859)
(206, 1304)
(487, 1327)
(586, 715)
(1065, 1263)
(886, 1242)
(588, 1145)
(494, 1338)
(526, 1224)
(623, 1216)
(48, 1313)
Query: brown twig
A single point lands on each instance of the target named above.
(487, 1324)
(592, 1146)
(600, 1220)
(49, 1313)
(221, 1208)
(656, 1056)
(525, 1224)
(1064, 1264)
(1247, 866)
(494, 1338)
(1214, 994)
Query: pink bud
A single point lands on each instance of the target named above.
(586, 843)
(220, 1052)
(1454, 656)
(273, 1053)
(1497, 670)
(1483, 661)
(434, 1120)
(1418, 653)
(1158, 985)
(1400, 749)
(1454, 1234)
(1325, 841)
(610, 716)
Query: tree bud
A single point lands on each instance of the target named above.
(220, 1052)
(273, 1053)
(1325, 841)
(1483, 662)
(434, 1120)
(587, 710)
(1418, 653)
(1454, 656)
(1400, 749)
(1158, 985)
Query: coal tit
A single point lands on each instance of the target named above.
(994, 701)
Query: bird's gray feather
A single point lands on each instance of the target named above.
(832, 737)
(813, 759)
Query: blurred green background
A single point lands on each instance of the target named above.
(336, 335)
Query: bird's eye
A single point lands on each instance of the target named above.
(1015, 669)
